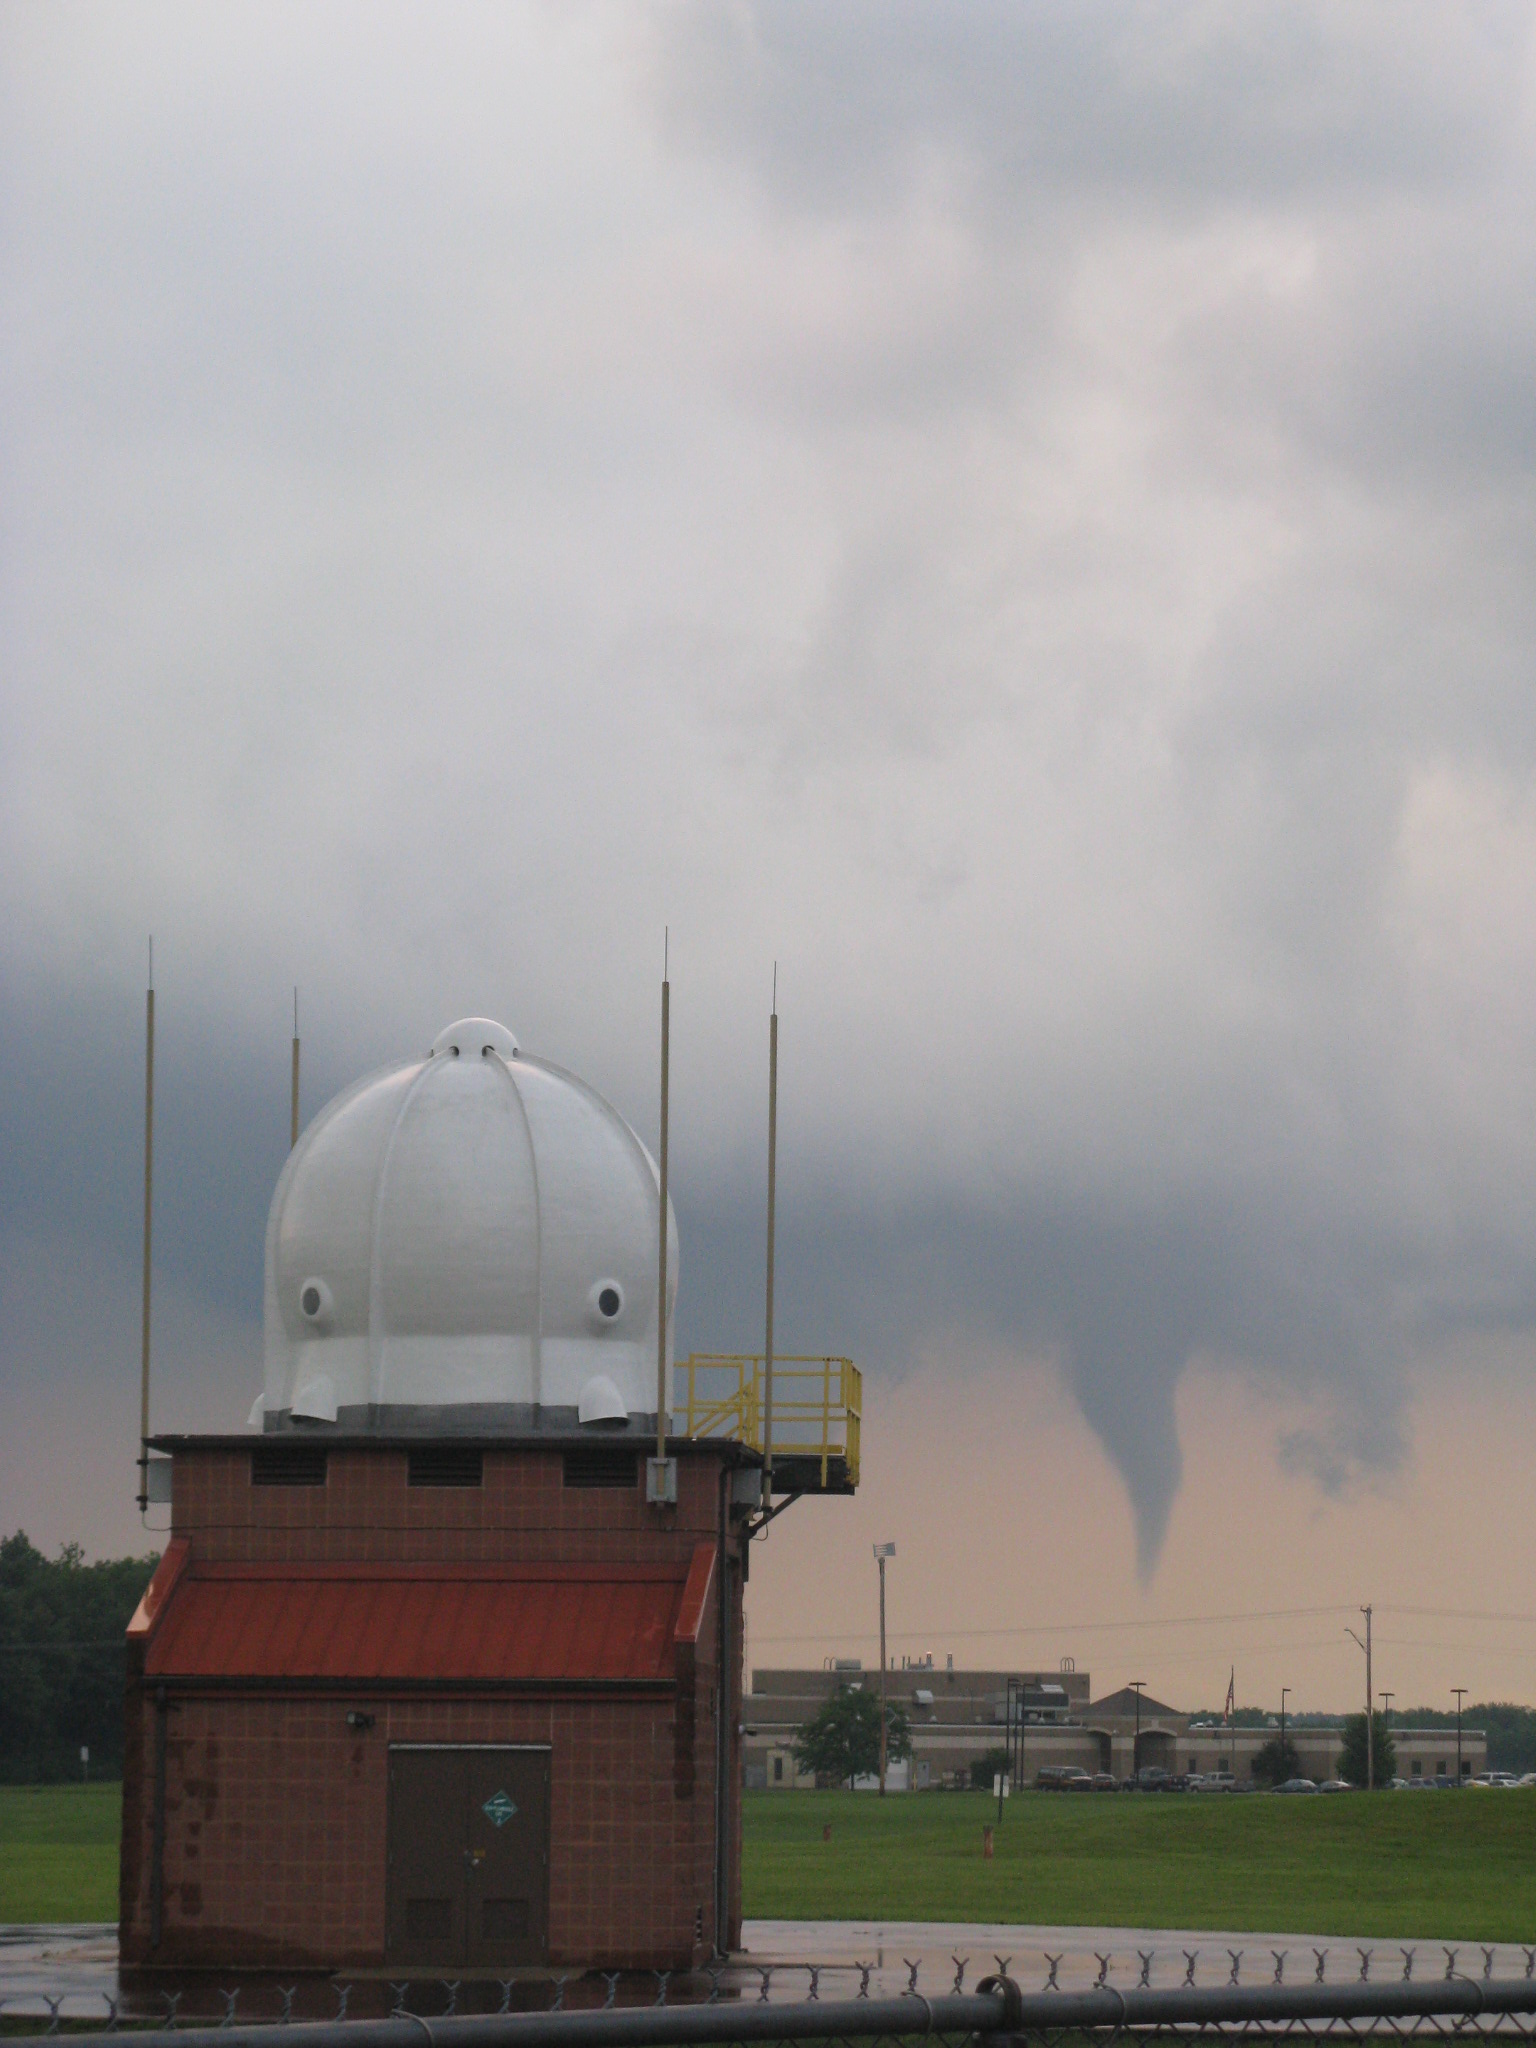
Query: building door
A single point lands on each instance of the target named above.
(468, 1856)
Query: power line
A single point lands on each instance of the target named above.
(1060, 1628)
(1456, 1614)
(1476, 1649)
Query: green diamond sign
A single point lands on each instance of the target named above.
(498, 1809)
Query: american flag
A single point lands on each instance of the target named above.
(1231, 1694)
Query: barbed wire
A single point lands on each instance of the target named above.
(268, 2000)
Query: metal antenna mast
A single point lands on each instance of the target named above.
(661, 1473)
(293, 1104)
(661, 1257)
(149, 1186)
(773, 1176)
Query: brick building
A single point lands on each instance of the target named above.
(331, 1643)
(441, 1667)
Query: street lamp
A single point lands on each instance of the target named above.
(1013, 1729)
(1461, 1693)
(882, 1552)
(1136, 1685)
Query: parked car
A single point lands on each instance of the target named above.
(1077, 1781)
(1152, 1778)
(1297, 1785)
(1217, 1781)
(1336, 1785)
(1105, 1781)
(1049, 1777)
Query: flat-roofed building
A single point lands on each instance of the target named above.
(958, 1718)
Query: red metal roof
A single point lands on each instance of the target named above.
(538, 1624)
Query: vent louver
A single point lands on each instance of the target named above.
(602, 1465)
(445, 1465)
(288, 1465)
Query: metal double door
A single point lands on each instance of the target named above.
(468, 1882)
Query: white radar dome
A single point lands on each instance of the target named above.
(465, 1242)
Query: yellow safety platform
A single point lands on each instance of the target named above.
(816, 1411)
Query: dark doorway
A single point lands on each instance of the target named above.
(468, 1856)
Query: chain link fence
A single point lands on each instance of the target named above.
(1364, 1990)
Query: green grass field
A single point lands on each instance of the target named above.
(58, 1852)
(1461, 1867)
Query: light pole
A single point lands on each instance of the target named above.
(1283, 1691)
(1461, 1693)
(1013, 1716)
(1136, 1685)
(882, 1552)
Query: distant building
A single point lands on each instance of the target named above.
(958, 1717)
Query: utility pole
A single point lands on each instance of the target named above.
(882, 1552)
(1136, 1685)
(1370, 1702)
(1283, 1691)
(1461, 1693)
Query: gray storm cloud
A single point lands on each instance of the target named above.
(1025, 517)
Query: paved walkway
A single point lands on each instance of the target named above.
(941, 1948)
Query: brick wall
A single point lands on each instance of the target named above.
(522, 1513)
(276, 1812)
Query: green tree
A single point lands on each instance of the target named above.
(62, 1624)
(1352, 1762)
(842, 1739)
(1276, 1761)
(989, 1765)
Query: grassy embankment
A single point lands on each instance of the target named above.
(1461, 1867)
(58, 1852)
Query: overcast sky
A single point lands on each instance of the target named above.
(1023, 514)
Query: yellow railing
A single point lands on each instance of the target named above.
(816, 1407)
